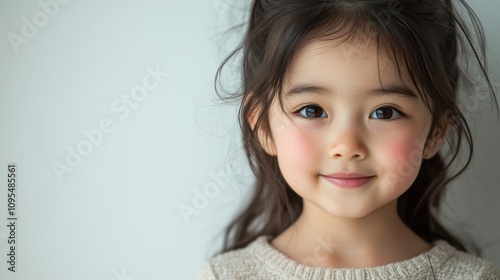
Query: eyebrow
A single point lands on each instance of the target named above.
(392, 90)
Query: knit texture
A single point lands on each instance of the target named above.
(259, 260)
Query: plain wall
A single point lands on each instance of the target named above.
(140, 74)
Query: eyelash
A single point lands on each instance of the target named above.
(298, 112)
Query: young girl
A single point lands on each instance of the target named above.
(346, 105)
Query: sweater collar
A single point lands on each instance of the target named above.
(291, 269)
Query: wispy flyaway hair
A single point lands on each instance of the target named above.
(425, 38)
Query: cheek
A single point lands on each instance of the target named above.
(401, 158)
(402, 151)
(297, 153)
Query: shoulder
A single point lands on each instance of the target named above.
(234, 264)
(464, 265)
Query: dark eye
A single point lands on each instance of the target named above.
(312, 112)
(386, 113)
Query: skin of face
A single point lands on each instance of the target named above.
(352, 129)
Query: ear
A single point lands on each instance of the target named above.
(435, 141)
(265, 140)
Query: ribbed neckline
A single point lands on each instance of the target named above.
(291, 269)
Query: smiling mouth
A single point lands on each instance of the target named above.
(348, 183)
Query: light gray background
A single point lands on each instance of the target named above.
(116, 215)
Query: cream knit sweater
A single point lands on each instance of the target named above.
(260, 261)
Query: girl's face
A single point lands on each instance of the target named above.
(349, 112)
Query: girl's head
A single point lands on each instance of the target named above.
(347, 86)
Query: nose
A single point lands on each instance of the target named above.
(347, 144)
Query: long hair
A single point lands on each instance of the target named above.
(427, 37)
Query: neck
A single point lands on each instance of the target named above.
(377, 239)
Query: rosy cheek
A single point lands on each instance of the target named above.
(398, 151)
(297, 150)
(402, 158)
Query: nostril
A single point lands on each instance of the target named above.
(341, 156)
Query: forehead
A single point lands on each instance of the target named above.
(358, 63)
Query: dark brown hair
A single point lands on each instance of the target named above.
(427, 37)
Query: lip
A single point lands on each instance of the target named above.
(348, 180)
